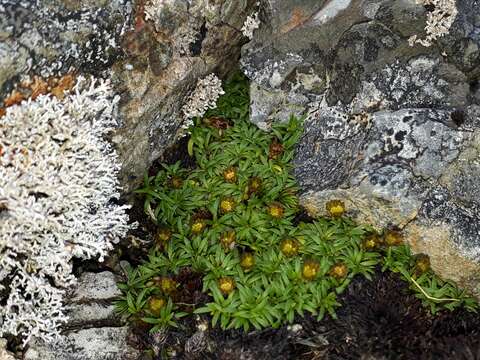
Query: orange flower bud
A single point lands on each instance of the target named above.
(230, 175)
(338, 271)
(393, 238)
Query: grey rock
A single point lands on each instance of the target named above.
(91, 302)
(93, 314)
(392, 130)
(94, 330)
(165, 56)
(13, 60)
(107, 343)
(60, 36)
(4, 353)
(96, 286)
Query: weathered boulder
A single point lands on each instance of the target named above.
(94, 330)
(392, 128)
(153, 50)
(4, 353)
(171, 45)
(91, 302)
(106, 343)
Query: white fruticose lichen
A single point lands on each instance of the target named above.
(58, 186)
(204, 97)
(439, 21)
(252, 22)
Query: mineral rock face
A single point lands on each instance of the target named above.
(94, 330)
(391, 129)
(171, 45)
(153, 50)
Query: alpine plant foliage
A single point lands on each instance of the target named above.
(58, 185)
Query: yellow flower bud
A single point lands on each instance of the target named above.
(335, 208)
(289, 247)
(156, 304)
(310, 269)
(247, 261)
(371, 242)
(422, 263)
(226, 285)
(198, 226)
(162, 236)
(276, 210)
(254, 185)
(166, 284)
(227, 205)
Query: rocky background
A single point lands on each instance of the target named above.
(391, 129)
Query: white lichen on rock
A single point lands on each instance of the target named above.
(439, 21)
(153, 9)
(58, 185)
(252, 22)
(190, 17)
(204, 97)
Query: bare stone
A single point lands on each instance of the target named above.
(96, 286)
(107, 343)
(92, 314)
(4, 353)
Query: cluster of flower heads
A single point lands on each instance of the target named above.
(58, 185)
(439, 20)
(204, 97)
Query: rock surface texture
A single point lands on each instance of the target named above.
(4, 354)
(94, 331)
(170, 46)
(153, 50)
(391, 129)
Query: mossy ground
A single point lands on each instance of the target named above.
(233, 197)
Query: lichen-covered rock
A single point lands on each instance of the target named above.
(94, 330)
(50, 38)
(4, 353)
(105, 343)
(154, 51)
(171, 46)
(96, 286)
(91, 302)
(392, 128)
